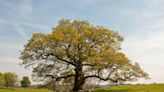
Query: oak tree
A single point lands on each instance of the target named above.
(76, 51)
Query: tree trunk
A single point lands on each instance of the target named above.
(79, 79)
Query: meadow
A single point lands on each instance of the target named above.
(23, 90)
(128, 88)
(133, 88)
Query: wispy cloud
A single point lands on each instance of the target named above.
(87, 2)
(20, 31)
(156, 3)
(26, 7)
(145, 44)
(142, 22)
(17, 27)
(10, 45)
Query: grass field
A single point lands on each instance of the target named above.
(23, 90)
(134, 88)
(129, 88)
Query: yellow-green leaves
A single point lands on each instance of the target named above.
(58, 36)
(36, 42)
(78, 40)
(79, 45)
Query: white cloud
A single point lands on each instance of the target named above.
(156, 3)
(20, 31)
(10, 45)
(86, 2)
(146, 44)
(17, 26)
(25, 7)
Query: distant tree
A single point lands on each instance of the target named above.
(2, 81)
(25, 82)
(10, 79)
(77, 51)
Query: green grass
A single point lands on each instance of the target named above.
(129, 88)
(23, 90)
(134, 88)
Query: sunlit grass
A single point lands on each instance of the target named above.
(23, 90)
(128, 88)
(134, 88)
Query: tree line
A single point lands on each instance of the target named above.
(10, 79)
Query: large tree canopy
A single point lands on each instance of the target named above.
(77, 51)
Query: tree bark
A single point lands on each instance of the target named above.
(79, 79)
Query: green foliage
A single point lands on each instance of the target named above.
(10, 79)
(2, 81)
(25, 82)
(76, 51)
(133, 88)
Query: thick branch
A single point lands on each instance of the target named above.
(98, 75)
(60, 77)
(45, 55)
(88, 65)
(108, 78)
(126, 78)
(64, 60)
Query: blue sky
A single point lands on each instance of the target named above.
(141, 22)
